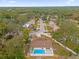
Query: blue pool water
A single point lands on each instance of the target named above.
(39, 51)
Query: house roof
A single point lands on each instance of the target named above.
(26, 25)
(41, 43)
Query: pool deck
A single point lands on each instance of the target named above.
(41, 54)
(46, 57)
(47, 53)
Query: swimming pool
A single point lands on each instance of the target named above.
(39, 51)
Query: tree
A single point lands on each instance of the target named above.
(3, 28)
(25, 35)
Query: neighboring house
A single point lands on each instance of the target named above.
(43, 18)
(26, 25)
(29, 24)
(41, 47)
(54, 26)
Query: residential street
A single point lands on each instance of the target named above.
(41, 30)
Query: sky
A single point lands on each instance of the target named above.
(37, 3)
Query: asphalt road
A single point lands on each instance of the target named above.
(42, 26)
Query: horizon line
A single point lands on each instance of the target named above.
(39, 6)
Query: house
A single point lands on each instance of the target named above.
(29, 24)
(43, 18)
(54, 26)
(26, 25)
(41, 47)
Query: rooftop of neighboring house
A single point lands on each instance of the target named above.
(41, 43)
